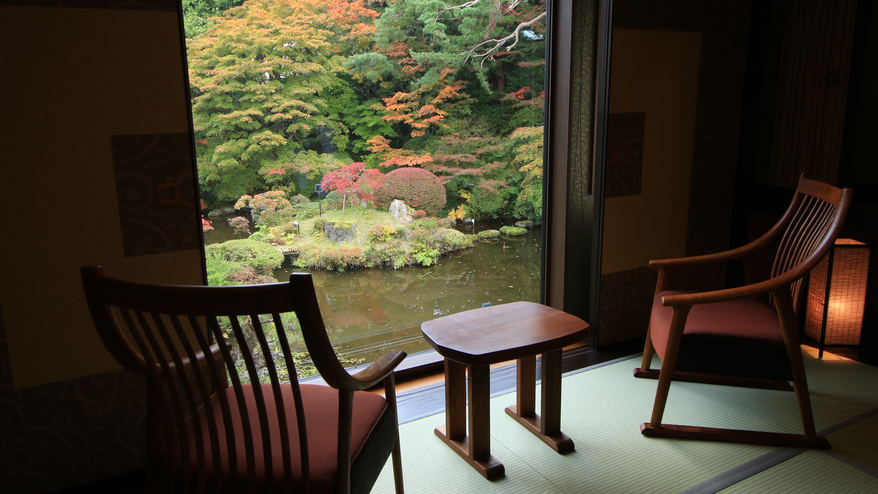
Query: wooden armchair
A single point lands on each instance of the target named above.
(217, 423)
(745, 336)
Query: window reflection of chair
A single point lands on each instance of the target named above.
(209, 429)
(731, 337)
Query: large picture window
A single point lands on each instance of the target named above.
(392, 149)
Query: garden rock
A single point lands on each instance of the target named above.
(339, 232)
(446, 222)
(524, 224)
(513, 231)
(221, 212)
(489, 234)
(401, 212)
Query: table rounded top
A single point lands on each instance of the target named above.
(503, 332)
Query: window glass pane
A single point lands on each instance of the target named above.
(392, 149)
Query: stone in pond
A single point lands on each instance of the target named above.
(513, 231)
(401, 212)
(339, 232)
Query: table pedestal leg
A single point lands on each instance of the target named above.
(475, 448)
(548, 426)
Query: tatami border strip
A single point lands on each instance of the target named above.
(772, 458)
(743, 471)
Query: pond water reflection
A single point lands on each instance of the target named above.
(369, 311)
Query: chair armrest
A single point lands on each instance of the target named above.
(377, 371)
(705, 259)
(761, 288)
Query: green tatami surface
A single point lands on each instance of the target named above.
(602, 409)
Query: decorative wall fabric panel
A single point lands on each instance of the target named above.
(71, 432)
(155, 189)
(624, 154)
(724, 29)
(624, 316)
(724, 33)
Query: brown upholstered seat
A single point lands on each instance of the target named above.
(321, 412)
(747, 330)
(733, 337)
(208, 428)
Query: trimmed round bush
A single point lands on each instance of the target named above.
(419, 188)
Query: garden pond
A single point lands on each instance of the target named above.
(370, 311)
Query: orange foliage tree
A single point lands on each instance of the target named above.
(263, 78)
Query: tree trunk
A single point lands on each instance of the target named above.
(500, 77)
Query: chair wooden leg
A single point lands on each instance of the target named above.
(787, 317)
(678, 322)
(153, 438)
(648, 350)
(809, 439)
(390, 396)
(345, 412)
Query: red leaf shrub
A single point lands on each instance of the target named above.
(419, 188)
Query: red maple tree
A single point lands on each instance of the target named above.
(353, 180)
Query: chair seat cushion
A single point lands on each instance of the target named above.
(740, 338)
(370, 411)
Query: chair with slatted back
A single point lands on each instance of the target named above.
(748, 335)
(232, 416)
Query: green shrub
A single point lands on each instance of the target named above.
(319, 223)
(398, 257)
(419, 188)
(340, 259)
(392, 254)
(306, 210)
(299, 199)
(270, 208)
(333, 200)
(446, 222)
(426, 257)
(380, 233)
(491, 198)
(272, 235)
(421, 236)
(427, 223)
(451, 240)
(277, 217)
(240, 261)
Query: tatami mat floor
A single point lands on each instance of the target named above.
(602, 409)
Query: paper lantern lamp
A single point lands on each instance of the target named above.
(837, 295)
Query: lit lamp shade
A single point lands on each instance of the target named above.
(847, 298)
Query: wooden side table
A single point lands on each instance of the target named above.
(473, 340)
